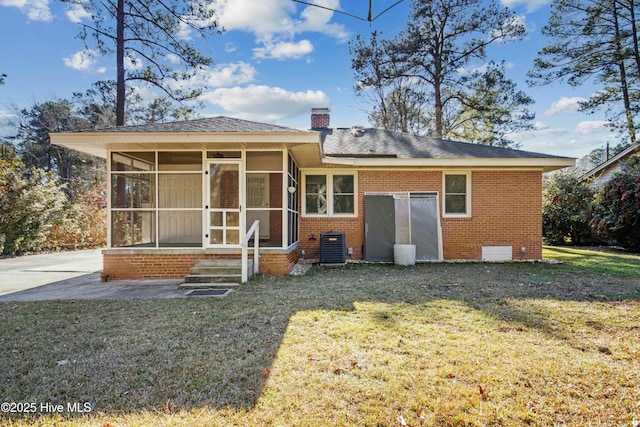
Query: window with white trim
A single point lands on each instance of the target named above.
(457, 194)
(329, 194)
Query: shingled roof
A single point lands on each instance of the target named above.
(372, 143)
(209, 124)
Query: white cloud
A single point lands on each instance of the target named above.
(512, 22)
(77, 13)
(173, 58)
(529, 5)
(276, 23)
(36, 10)
(257, 17)
(589, 127)
(283, 50)
(573, 141)
(258, 102)
(565, 105)
(132, 62)
(225, 75)
(318, 19)
(81, 60)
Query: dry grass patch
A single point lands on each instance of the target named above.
(442, 344)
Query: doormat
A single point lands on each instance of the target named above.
(209, 293)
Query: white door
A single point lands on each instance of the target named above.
(224, 211)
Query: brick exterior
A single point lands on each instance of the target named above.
(506, 211)
(176, 264)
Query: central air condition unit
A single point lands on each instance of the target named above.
(333, 248)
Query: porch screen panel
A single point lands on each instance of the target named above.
(292, 201)
(424, 226)
(133, 202)
(379, 228)
(180, 210)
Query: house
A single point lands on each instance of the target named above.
(602, 173)
(183, 191)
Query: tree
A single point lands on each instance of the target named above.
(566, 209)
(149, 35)
(595, 40)
(2, 77)
(492, 108)
(34, 146)
(440, 40)
(616, 209)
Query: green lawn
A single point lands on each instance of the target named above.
(468, 344)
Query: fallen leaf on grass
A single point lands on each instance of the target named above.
(483, 392)
(266, 372)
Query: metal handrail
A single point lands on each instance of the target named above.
(255, 232)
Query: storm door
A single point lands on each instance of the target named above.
(224, 211)
(402, 218)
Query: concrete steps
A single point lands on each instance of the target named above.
(215, 274)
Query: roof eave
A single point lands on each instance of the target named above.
(98, 143)
(547, 164)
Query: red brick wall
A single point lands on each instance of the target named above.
(277, 264)
(174, 266)
(506, 211)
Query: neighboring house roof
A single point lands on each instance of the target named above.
(209, 124)
(369, 146)
(605, 170)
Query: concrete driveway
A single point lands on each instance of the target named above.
(72, 275)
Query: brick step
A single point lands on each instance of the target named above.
(214, 270)
(218, 262)
(216, 285)
(222, 270)
(213, 278)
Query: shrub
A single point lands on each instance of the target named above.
(36, 214)
(566, 209)
(616, 209)
(30, 203)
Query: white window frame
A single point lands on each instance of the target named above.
(467, 214)
(329, 176)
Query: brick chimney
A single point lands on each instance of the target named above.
(319, 118)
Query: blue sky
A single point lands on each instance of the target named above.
(276, 60)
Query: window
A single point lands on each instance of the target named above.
(329, 194)
(343, 194)
(457, 192)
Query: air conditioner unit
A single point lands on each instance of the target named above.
(333, 248)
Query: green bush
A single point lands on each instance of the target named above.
(566, 209)
(616, 209)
